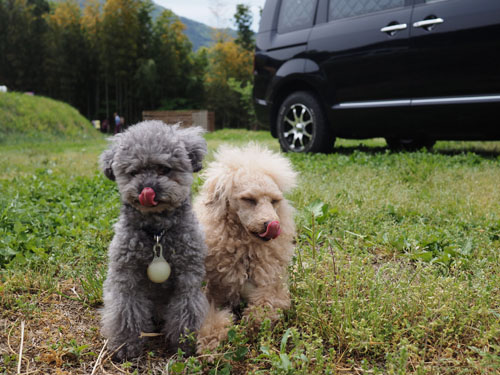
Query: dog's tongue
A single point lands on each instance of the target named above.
(147, 197)
(273, 230)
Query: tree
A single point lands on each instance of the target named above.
(178, 75)
(227, 60)
(119, 55)
(146, 78)
(3, 41)
(22, 28)
(65, 55)
(243, 20)
(91, 25)
(145, 34)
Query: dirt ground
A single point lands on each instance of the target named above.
(61, 336)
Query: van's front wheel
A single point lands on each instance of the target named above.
(302, 126)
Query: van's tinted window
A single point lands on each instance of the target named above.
(349, 8)
(296, 14)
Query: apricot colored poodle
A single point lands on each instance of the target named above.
(249, 230)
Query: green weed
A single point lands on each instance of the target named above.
(396, 268)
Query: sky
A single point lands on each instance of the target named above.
(215, 13)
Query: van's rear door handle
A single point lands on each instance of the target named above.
(399, 26)
(429, 22)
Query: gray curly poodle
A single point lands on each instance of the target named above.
(156, 258)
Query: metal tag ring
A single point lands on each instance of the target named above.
(155, 249)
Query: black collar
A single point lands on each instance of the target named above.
(154, 232)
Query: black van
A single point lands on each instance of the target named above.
(412, 71)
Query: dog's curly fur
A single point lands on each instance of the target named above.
(242, 193)
(162, 157)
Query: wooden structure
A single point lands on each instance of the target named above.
(203, 118)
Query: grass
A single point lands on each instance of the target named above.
(396, 271)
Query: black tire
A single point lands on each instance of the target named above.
(302, 126)
(409, 144)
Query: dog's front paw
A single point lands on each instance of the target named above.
(125, 351)
(214, 329)
(209, 343)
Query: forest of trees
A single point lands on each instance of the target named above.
(114, 57)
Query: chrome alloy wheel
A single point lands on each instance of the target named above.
(298, 127)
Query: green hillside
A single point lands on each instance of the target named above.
(26, 117)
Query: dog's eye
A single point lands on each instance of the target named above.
(249, 200)
(275, 201)
(133, 173)
(163, 170)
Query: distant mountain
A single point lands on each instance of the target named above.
(198, 33)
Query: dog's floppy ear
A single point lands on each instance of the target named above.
(216, 189)
(196, 146)
(106, 161)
